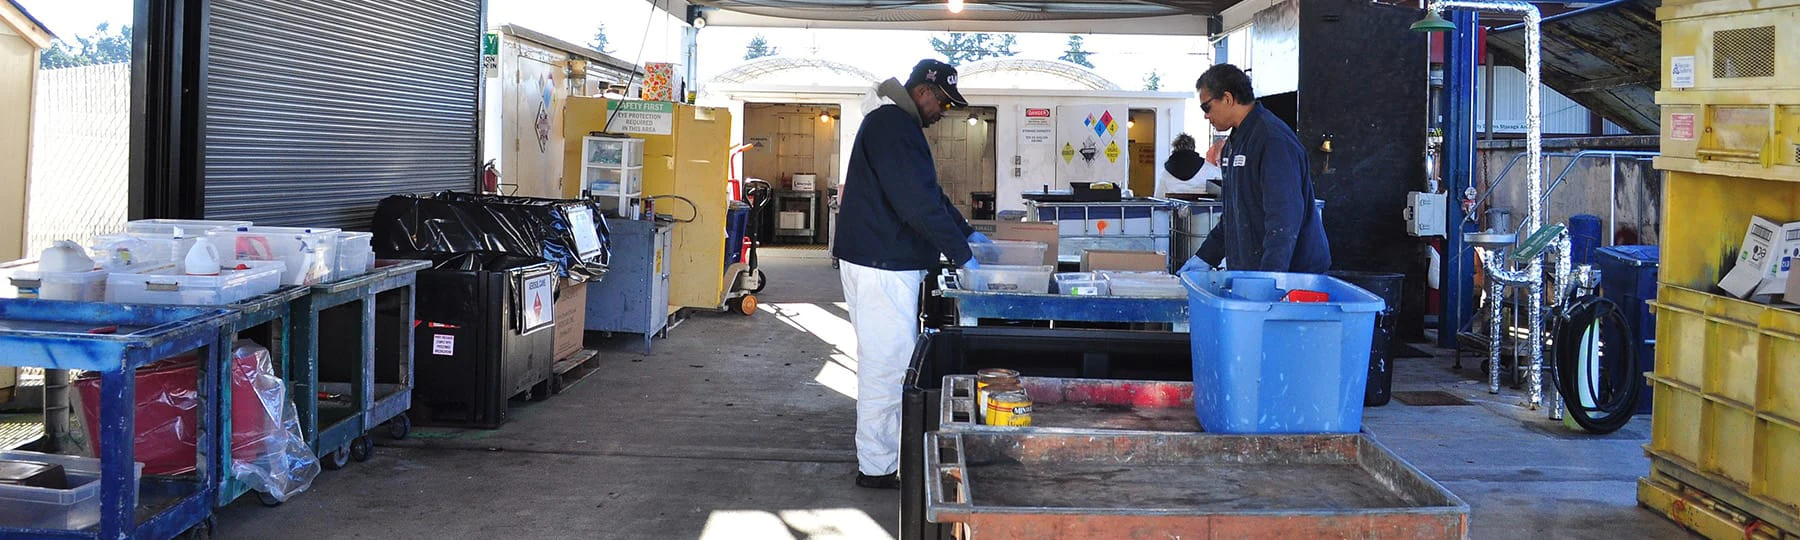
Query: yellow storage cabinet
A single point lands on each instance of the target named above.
(690, 162)
(1731, 88)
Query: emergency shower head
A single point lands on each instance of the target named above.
(1433, 22)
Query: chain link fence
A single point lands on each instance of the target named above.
(80, 151)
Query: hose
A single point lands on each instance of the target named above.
(1590, 325)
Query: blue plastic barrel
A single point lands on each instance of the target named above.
(1628, 279)
(1266, 366)
(1584, 238)
(737, 225)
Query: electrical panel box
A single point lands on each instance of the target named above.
(1425, 214)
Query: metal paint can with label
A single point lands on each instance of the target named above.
(1009, 408)
(986, 377)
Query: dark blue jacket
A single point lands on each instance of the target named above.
(1270, 223)
(892, 214)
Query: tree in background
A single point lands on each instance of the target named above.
(1153, 81)
(1075, 54)
(599, 42)
(100, 47)
(963, 47)
(759, 47)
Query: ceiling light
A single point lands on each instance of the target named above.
(973, 120)
(699, 22)
(825, 117)
(956, 6)
(1130, 124)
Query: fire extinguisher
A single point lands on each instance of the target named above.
(490, 178)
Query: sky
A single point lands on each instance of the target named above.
(638, 36)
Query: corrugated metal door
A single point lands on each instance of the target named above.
(317, 109)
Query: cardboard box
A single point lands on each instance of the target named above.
(1033, 231)
(1758, 262)
(571, 318)
(1781, 263)
(1137, 261)
(1792, 296)
(792, 220)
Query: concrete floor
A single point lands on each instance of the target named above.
(734, 427)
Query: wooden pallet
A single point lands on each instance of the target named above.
(1697, 510)
(569, 371)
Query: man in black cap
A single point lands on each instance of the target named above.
(894, 223)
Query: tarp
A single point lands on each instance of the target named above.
(474, 229)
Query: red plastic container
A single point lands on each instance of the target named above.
(167, 399)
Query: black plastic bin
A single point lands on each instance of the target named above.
(1381, 371)
(1039, 352)
(477, 348)
(1628, 278)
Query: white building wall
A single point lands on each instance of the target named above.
(1036, 164)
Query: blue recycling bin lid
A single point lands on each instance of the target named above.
(1633, 255)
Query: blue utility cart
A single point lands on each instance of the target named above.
(352, 367)
(114, 340)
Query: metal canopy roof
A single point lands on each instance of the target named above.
(1171, 17)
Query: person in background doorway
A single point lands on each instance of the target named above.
(893, 224)
(1183, 162)
(1269, 222)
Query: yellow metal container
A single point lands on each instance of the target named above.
(690, 161)
(1705, 217)
(1727, 385)
(1730, 45)
(1732, 133)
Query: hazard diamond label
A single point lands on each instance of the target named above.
(1068, 153)
(1112, 152)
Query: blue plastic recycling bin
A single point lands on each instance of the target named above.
(1628, 279)
(1265, 366)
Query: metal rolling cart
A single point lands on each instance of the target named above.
(1133, 224)
(115, 340)
(971, 307)
(797, 205)
(353, 367)
(266, 319)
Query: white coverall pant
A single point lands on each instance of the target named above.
(884, 309)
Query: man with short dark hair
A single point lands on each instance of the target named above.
(893, 223)
(1269, 222)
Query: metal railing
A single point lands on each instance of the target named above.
(1612, 189)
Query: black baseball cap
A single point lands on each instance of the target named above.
(940, 75)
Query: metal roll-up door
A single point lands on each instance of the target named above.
(317, 109)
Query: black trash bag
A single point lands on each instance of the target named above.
(444, 225)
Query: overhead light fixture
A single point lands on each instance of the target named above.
(973, 120)
(1433, 22)
(1130, 124)
(825, 118)
(699, 22)
(956, 6)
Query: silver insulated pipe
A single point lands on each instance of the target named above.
(1532, 275)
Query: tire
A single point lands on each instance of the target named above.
(361, 449)
(746, 305)
(335, 460)
(761, 282)
(400, 427)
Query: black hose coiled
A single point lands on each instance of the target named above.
(1618, 383)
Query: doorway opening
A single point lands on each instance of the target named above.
(796, 152)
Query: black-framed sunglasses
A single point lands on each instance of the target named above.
(1206, 105)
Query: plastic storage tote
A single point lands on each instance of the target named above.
(187, 227)
(71, 286)
(1628, 279)
(1081, 284)
(74, 508)
(1010, 252)
(1149, 284)
(1264, 366)
(355, 257)
(1010, 279)
(310, 255)
(168, 285)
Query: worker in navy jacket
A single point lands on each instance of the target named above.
(894, 223)
(1270, 222)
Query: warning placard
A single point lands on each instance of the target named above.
(1112, 152)
(1068, 153)
(1681, 126)
(443, 344)
(538, 304)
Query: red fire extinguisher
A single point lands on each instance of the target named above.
(490, 178)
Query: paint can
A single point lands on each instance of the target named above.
(1009, 408)
(986, 377)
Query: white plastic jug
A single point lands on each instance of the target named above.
(202, 259)
(65, 256)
